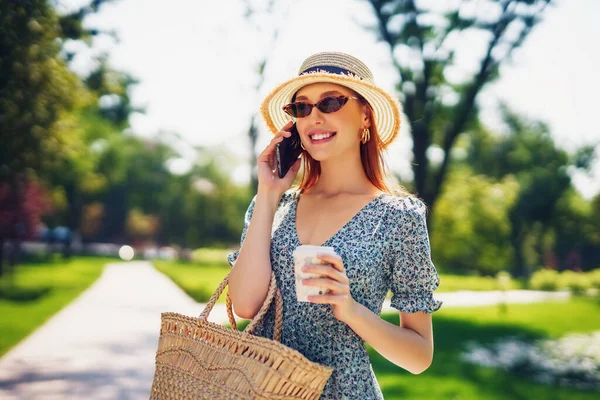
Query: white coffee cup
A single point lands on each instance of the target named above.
(306, 255)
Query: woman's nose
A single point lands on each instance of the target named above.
(316, 116)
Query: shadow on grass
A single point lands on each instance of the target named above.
(22, 295)
(450, 378)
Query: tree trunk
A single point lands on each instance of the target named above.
(15, 254)
(17, 224)
(73, 217)
(2, 271)
(516, 237)
(253, 133)
(420, 162)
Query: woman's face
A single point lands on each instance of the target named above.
(330, 135)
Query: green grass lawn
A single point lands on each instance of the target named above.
(450, 378)
(39, 291)
(451, 283)
(198, 281)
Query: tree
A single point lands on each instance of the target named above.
(50, 118)
(37, 90)
(101, 120)
(136, 177)
(423, 43)
(140, 226)
(471, 229)
(36, 93)
(112, 88)
(576, 235)
(528, 153)
(19, 221)
(215, 207)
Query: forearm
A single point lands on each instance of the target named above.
(401, 346)
(250, 277)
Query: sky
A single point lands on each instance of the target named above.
(197, 61)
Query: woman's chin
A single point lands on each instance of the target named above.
(319, 156)
(323, 155)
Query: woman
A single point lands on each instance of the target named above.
(343, 201)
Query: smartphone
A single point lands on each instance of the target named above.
(287, 152)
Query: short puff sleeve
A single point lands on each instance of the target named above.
(413, 275)
(232, 257)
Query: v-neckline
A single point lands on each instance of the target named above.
(295, 215)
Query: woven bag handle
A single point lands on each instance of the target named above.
(273, 293)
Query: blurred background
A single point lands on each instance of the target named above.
(129, 130)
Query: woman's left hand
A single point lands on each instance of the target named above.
(337, 283)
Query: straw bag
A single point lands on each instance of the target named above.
(197, 359)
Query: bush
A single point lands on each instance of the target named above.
(594, 278)
(503, 281)
(210, 256)
(544, 279)
(576, 282)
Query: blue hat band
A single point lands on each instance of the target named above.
(330, 69)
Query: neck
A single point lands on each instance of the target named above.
(343, 174)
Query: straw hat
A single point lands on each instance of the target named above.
(342, 69)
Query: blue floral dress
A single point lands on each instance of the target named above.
(384, 247)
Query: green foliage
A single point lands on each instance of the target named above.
(36, 90)
(213, 207)
(527, 154)
(72, 26)
(470, 229)
(594, 277)
(210, 256)
(451, 283)
(576, 227)
(544, 279)
(140, 225)
(131, 180)
(112, 88)
(577, 282)
(44, 106)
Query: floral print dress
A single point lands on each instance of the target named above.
(384, 247)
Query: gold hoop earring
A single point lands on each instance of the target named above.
(302, 145)
(366, 136)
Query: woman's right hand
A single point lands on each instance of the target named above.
(268, 180)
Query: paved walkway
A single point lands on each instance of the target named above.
(102, 345)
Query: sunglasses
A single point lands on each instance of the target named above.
(326, 105)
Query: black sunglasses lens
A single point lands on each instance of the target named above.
(332, 104)
(296, 110)
(303, 109)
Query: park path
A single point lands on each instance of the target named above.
(102, 345)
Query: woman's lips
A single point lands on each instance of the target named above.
(320, 141)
